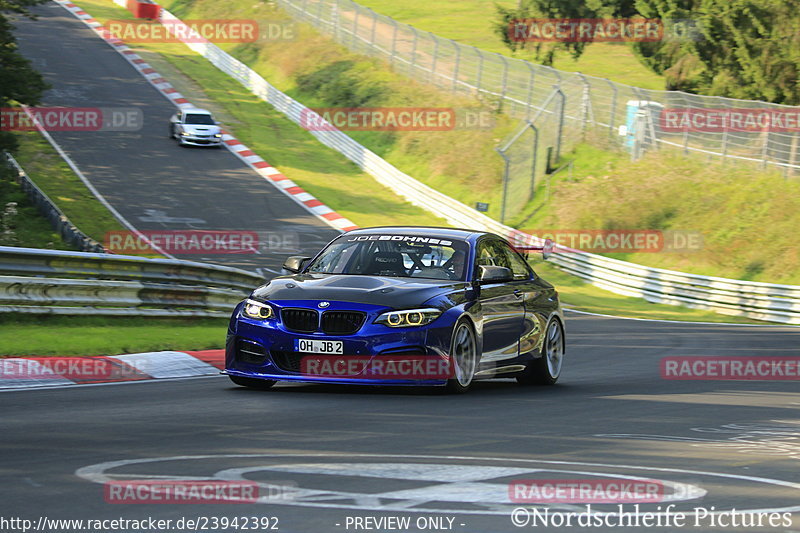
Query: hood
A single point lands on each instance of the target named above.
(201, 129)
(397, 293)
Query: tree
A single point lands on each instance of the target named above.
(746, 49)
(19, 82)
(545, 52)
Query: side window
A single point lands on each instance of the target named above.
(512, 260)
(485, 254)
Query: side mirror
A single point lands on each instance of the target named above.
(295, 263)
(547, 249)
(495, 274)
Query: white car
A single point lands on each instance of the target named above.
(195, 127)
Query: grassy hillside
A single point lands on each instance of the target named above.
(470, 22)
(660, 192)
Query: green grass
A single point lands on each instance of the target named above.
(30, 229)
(471, 22)
(51, 174)
(64, 335)
(746, 219)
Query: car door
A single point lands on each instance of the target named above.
(534, 298)
(502, 307)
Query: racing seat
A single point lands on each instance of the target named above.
(386, 264)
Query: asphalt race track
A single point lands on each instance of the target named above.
(367, 452)
(340, 458)
(147, 177)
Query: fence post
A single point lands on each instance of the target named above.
(319, 12)
(585, 104)
(560, 125)
(793, 154)
(534, 158)
(530, 88)
(394, 42)
(506, 165)
(480, 69)
(414, 50)
(354, 38)
(613, 116)
(765, 150)
(505, 82)
(435, 56)
(337, 9)
(458, 64)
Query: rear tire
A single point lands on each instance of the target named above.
(464, 357)
(252, 383)
(546, 369)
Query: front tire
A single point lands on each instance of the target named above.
(464, 357)
(546, 369)
(252, 383)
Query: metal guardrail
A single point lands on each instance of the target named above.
(761, 301)
(76, 296)
(58, 282)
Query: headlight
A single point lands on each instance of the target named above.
(408, 318)
(185, 133)
(218, 135)
(257, 310)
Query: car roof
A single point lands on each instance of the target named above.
(195, 111)
(425, 231)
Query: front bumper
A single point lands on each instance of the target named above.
(266, 350)
(199, 140)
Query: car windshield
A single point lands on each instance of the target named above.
(403, 256)
(199, 119)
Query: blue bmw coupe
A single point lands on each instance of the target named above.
(400, 306)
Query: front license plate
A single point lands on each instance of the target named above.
(319, 346)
